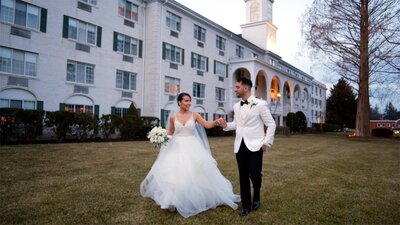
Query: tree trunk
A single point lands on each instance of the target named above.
(362, 119)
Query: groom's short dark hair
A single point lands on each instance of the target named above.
(245, 81)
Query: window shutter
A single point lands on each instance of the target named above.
(98, 36)
(65, 26)
(39, 105)
(62, 107)
(183, 56)
(162, 117)
(215, 65)
(115, 43)
(206, 116)
(192, 59)
(207, 64)
(96, 110)
(140, 48)
(226, 70)
(163, 50)
(112, 110)
(43, 20)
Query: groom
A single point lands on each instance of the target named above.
(251, 114)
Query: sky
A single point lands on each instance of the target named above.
(232, 13)
(286, 14)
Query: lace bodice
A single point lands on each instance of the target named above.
(185, 130)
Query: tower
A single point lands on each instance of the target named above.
(259, 28)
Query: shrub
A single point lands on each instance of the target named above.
(291, 122)
(84, 125)
(301, 121)
(382, 132)
(131, 124)
(60, 122)
(20, 125)
(148, 123)
(218, 132)
(108, 124)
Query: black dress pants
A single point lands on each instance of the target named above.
(250, 166)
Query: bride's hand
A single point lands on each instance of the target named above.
(217, 122)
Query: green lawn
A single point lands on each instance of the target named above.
(308, 179)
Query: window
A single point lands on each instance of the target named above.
(172, 53)
(128, 10)
(198, 90)
(90, 2)
(80, 72)
(220, 43)
(126, 80)
(272, 62)
(78, 108)
(81, 31)
(220, 94)
(17, 104)
(239, 51)
(216, 116)
(199, 62)
(127, 45)
(219, 68)
(199, 33)
(172, 85)
(121, 111)
(18, 62)
(173, 21)
(20, 13)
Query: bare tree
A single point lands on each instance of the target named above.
(360, 41)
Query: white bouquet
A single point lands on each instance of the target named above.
(158, 136)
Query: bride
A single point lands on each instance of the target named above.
(185, 176)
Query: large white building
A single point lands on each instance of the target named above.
(100, 56)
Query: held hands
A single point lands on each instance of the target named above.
(221, 122)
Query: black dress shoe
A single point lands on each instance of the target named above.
(245, 212)
(256, 205)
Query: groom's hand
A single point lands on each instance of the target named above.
(264, 148)
(222, 122)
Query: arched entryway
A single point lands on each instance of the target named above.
(261, 85)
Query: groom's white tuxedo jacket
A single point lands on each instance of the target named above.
(249, 121)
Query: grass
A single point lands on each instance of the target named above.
(308, 179)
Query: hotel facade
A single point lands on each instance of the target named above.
(101, 56)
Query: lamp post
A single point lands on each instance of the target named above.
(276, 100)
(278, 96)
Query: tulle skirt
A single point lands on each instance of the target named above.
(185, 177)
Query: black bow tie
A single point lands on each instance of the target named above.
(243, 102)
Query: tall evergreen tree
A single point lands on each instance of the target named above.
(341, 106)
(375, 114)
(391, 112)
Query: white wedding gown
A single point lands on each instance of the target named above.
(185, 176)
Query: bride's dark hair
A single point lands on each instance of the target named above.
(180, 97)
